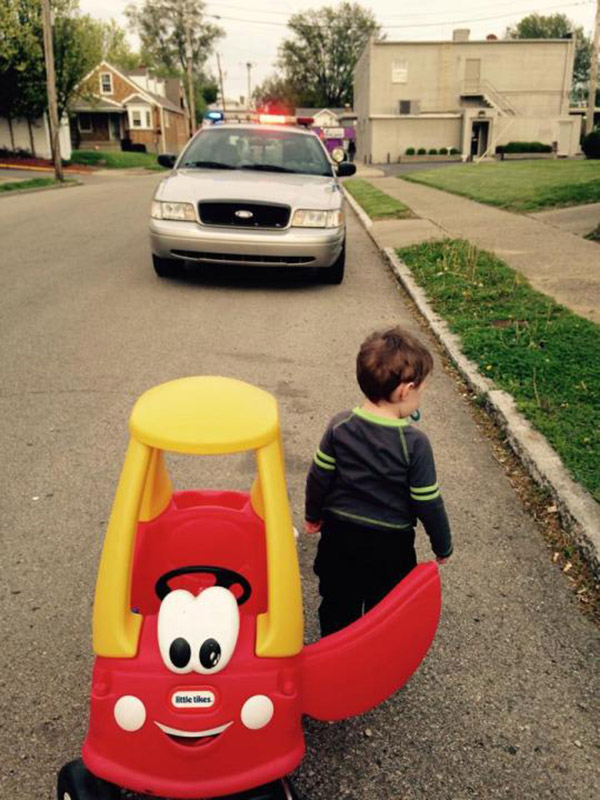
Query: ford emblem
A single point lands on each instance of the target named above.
(243, 214)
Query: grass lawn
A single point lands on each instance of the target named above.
(519, 185)
(34, 183)
(376, 204)
(114, 159)
(545, 356)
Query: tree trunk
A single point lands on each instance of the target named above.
(31, 138)
(12, 136)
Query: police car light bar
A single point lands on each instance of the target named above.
(275, 119)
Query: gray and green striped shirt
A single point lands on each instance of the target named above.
(380, 473)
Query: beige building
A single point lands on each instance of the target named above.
(469, 95)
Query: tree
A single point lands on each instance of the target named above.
(319, 61)
(163, 25)
(277, 93)
(77, 48)
(115, 47)
(558, 26)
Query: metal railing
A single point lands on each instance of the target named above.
(490, 93)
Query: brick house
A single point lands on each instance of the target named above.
(112, 105)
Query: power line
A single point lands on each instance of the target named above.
(403, 16)
(437, 24)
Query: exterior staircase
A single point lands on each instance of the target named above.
(491, 97)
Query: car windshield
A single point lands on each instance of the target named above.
(257, 149)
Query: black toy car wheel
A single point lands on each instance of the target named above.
(335, 273)
(75, 782)
(282, 789)
(166, 267)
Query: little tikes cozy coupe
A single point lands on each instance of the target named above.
(201, 677)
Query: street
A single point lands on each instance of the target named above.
(506, 703)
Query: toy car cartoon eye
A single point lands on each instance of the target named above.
(198, 633)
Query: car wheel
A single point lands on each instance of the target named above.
(335, 273)
(75, 782)
(166, 267)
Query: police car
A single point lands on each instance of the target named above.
(262, 194)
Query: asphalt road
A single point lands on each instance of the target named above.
(506, 703)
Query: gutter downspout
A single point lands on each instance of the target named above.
(162, 130)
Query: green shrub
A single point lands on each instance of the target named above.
(421, 151)
(524, 147)
(443, 151)
(433, 152)
(591, 144)
(410, 151)
(454, 151)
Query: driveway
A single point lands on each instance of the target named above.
(506, 703)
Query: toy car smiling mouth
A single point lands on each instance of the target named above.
(201, 676)
(188, 738)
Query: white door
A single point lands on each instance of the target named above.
(564, 138)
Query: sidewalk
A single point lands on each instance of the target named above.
(555, 261)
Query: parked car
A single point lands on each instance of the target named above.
(254, 195)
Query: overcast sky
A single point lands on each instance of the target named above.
(253, 32)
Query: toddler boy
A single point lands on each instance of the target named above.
(372, 477)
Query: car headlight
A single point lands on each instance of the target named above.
(311, 218)
(180, 211)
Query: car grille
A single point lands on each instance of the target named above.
(240, 258)
(263, 215)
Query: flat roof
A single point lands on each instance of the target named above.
(476, 41)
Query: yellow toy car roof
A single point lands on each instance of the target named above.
(205, 415)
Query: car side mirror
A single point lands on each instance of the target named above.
(167, 160)
(345, 169)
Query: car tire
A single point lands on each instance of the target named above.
(166, 267)
(335, 273)
(75, 782)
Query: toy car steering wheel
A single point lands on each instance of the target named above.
(225, 577)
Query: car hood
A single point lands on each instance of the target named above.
(297, 191)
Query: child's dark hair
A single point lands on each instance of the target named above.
(389, 358)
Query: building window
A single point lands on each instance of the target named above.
(399, 71)
(140, 118)
(106, 86)
(85, 123)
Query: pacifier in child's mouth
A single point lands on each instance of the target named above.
(416, 415)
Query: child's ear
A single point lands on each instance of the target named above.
(401, 391)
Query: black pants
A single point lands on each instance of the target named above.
(357, 566)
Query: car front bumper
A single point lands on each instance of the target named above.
(293, 247)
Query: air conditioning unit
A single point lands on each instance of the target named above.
(408, 107)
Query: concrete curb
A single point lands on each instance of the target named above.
(66, 170)
(577, 509)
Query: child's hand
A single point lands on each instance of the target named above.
(312, 527)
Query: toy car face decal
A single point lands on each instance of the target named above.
(198, 633)
(189, 738)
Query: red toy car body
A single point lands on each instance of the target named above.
(207, 702)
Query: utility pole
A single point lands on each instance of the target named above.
(189, 53)
(589, 123)
(249, 65)
(51, 87)
(221, 84)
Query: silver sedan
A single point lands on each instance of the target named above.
(264, 196)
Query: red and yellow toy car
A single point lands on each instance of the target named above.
(201, 677)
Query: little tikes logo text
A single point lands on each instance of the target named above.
(194, 698)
